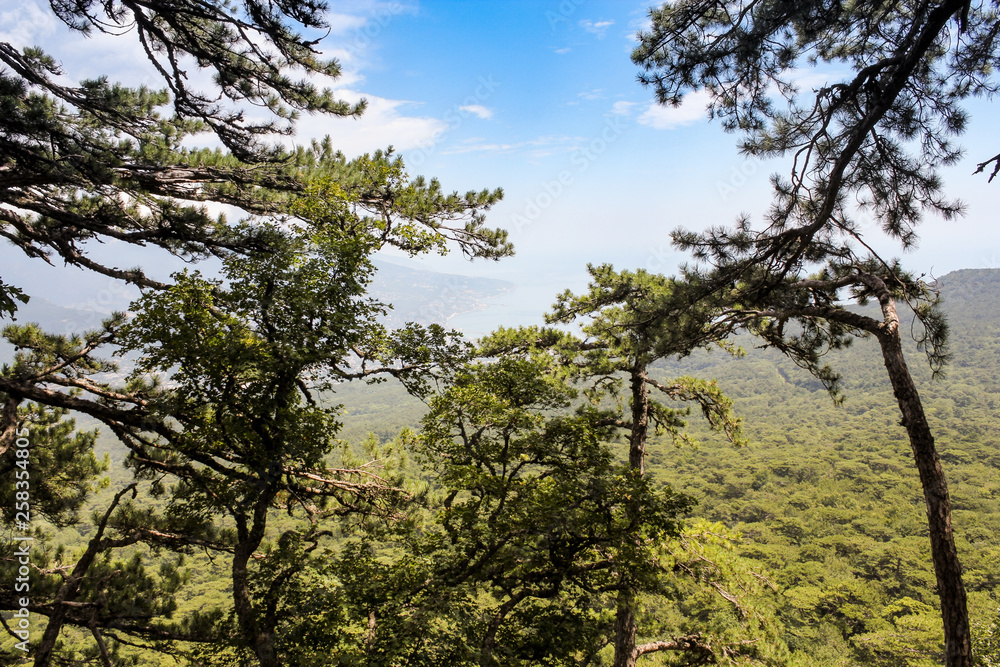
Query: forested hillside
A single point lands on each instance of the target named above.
(781, 455)
(825, 495)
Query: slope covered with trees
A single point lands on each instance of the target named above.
(824, 495)
(820, 504)
(868, 144)
(551, 507)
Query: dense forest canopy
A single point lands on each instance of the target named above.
(622, 485)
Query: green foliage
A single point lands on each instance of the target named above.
(241, 426)
(530, 521)
(549, 513)
(871, 142)
(824, 496)
(353, 196)
(8, 294)
(909, 68)
(67, 457)
(825, 508)
(986, 640)
(247, 360)
(239, 430)
(100, 160)
(719, 594)
(540, 526)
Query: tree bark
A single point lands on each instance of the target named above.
(640, 421)
(948, 571)
(490, 640)
(625, 630)
(625, 621)
(260, 639)
(101, 645)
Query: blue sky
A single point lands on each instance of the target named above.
(541, 99)
(562, 100)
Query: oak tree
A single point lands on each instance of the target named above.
(245, 426)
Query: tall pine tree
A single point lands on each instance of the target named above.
(868, 144)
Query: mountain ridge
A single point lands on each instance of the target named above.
(417, 295)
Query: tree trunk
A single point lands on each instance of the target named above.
(640, 421)
(71, 586)
(946, 566)
(625, 621)
(67, 593)
(490, 640)
(260, 639)
(625, 630)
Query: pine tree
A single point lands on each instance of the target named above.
(239, 432)
(99, 160)
(571, 539)
(870, 144)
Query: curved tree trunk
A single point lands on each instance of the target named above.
(947, 569)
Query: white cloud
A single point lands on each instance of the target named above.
(27, 25)
(354, 37)
(598, 28)
(382, 124)
(563, 50)
(810, 78)
(622, 108)
(594, 94)
(691, 110)
(342, 23)
(477, 110)
(480, 147)
(385, 121)
(638, 24)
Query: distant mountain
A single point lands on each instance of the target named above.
(971, 295)
(416, 295)
(426, 297)
(52, 318)
(969, 298)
